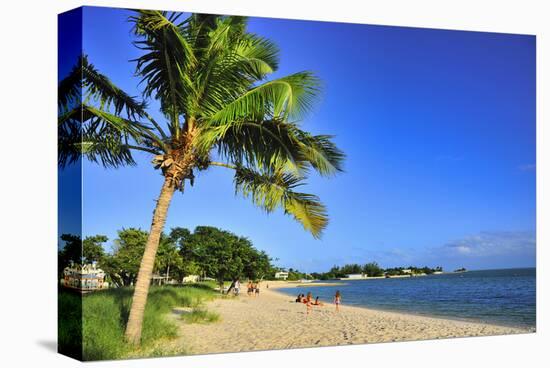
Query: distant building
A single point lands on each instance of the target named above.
(356, 276)
(281, 275)
(157, 279)
(191, 278)
(84, 278)
(407, 271)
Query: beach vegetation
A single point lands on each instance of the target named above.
(99, 335)
(200, 315)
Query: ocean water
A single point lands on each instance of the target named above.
(503, 297)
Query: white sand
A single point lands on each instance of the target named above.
(274, 321)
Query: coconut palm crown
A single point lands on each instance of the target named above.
(220, 109)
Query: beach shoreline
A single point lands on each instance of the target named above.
(274, 321)
(412, 314)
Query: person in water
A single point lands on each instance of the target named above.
(337, 300)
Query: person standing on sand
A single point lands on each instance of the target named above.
(337, 300)
(257, 290)
(237, 287)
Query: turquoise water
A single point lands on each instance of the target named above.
(504, 297)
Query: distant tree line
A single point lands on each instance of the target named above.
(372, 269)
(208, 252)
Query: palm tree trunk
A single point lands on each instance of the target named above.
(139, 300)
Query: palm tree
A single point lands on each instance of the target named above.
(210, 76)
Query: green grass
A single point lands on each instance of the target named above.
(200, 315)
(104, 315)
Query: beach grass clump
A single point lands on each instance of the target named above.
(102, 317)
(200, 315)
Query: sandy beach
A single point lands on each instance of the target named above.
(274, 321)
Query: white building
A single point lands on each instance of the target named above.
(281, 275)
(356, 276)
(84, 278)
(191, 278)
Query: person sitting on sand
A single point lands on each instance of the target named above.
(308, 303)
(317, 302)
(337, 300)
(299, 298)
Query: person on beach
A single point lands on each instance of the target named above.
(249, 288)
(308, 298)
(307, 302)
(299, 298)
(317, 302)
(337, 300)
(237, 287)
(257, 290)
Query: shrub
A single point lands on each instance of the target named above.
(200, 315)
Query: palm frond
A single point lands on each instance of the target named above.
(267, 144)
(86, 82)
(273, 143)
(285, 98)
(275, 189)
(320, 152)
(101, 137)
(232, 70)
(166, 66)
(309, 211)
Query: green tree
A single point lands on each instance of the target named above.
(372, 269)
(92, 248)
(220, 254)
(189, 262)
(351, 268)
(77, 251)
(123, 265)
(210, 76)
(258, 265)
(168, 258)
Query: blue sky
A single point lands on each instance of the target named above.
(439, 131)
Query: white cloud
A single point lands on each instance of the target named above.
(486, 244)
